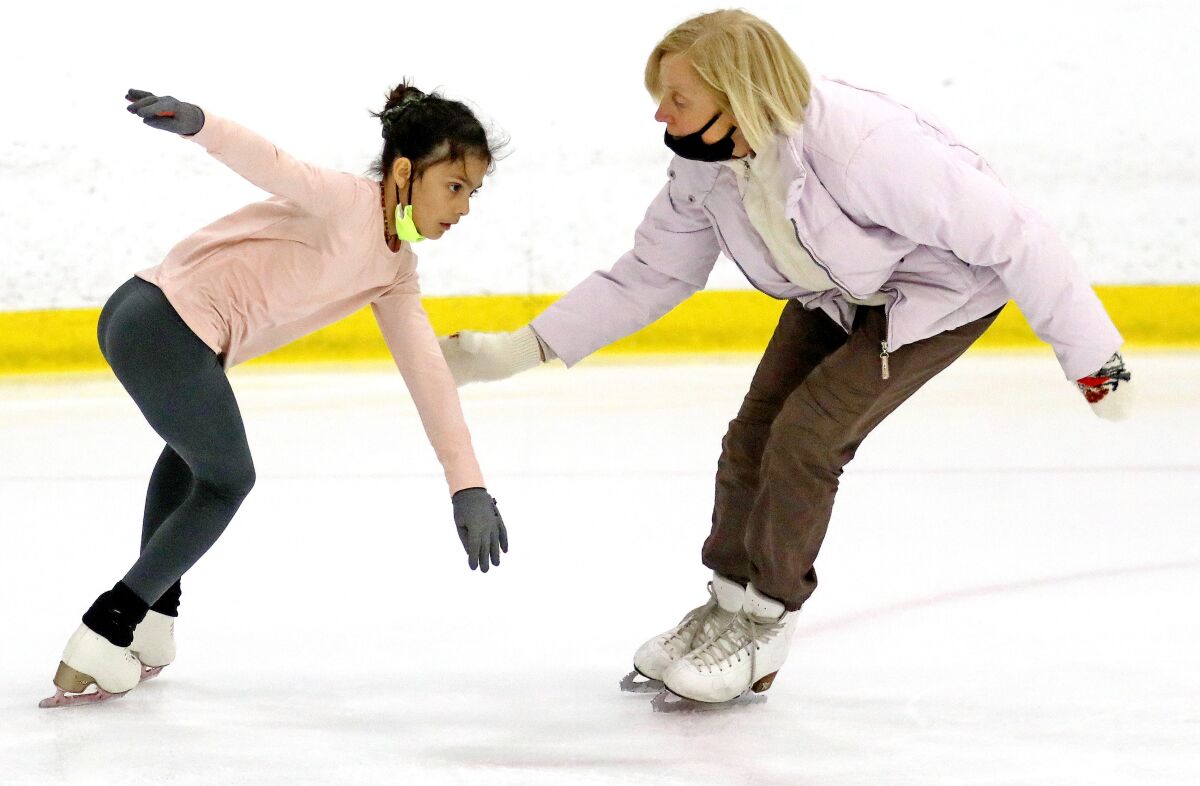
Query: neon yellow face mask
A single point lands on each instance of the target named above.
(406, 227)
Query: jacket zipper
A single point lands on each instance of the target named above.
(732, 258)
(884, 354)
(845, 289)
(885, 371)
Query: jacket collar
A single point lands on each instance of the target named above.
(791, 155)
(791, 147)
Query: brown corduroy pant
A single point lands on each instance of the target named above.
(817, 393)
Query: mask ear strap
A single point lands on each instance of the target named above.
(410, 186)
(709, 124)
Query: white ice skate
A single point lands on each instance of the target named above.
(90, 659)
(744, 658)
(699, 625)
(154, 643)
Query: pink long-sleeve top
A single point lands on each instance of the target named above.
(313, 253)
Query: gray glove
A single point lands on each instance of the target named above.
(165, 112)
(480, 527)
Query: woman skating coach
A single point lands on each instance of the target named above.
(895, 246)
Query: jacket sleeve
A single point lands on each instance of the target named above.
(319, 191)
(906, 179)
(414, 347)
(673, 253)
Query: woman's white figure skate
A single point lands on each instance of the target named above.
(154, 643)
(736, 665)
(701, 624)
(91, 660)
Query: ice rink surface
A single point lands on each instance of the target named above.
(1009, 589)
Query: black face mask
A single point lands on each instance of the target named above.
(693, 147)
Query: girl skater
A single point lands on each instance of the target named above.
(325, 244)
(895, 247)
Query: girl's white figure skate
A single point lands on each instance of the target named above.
(744, 658)
(699, 625)
(154, 643)
(91, 660)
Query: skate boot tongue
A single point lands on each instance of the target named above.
(761, 609)
(729, 593)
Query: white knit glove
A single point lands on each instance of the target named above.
(485, 357)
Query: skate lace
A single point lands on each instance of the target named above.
(742, 638)
(709, 618)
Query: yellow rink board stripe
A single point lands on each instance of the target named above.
(1149, 316)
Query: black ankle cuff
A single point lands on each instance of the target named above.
(115, 614)
(168, 604)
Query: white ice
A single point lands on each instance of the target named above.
(1008, 594)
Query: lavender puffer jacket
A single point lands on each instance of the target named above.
(882, 199)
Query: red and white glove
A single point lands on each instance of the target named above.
(1101, 389)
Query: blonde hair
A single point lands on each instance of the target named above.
(750, 69)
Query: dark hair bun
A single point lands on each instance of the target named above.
(401, 98)
(429, 128)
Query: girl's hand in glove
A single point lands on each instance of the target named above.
(165, 112)
(480, 527)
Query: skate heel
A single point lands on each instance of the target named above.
(68, 680)
(71, 685)
(764, 684)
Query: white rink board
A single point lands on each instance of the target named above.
(1087, 111)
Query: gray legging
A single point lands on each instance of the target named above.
(205, 470)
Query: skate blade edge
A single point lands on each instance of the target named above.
(669, 701)
(150, 672)
(631, 684)
(64, 699)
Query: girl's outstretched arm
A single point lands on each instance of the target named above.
(319, 191)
